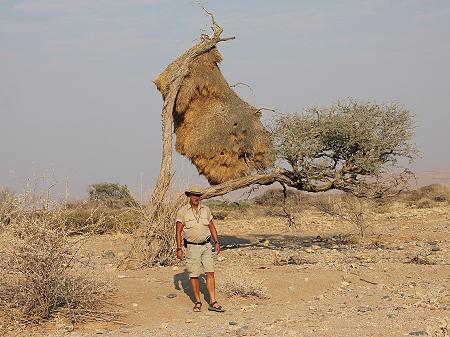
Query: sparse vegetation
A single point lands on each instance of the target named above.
(39, 271)
(101, 220)
(112, 195)
(154, 242)
(238, 283)
(427, 196)
(357, 211)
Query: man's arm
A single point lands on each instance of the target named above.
(179, 229)
(213, 231)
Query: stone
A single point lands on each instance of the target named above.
(363, 309)
(171, 295)
(232, 323)
(418, 333)
(108, 254)
(435, 248)
(102, 331)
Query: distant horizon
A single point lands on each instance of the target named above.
(57, 190)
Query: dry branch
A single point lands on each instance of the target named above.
(180, 71)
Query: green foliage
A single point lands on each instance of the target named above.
(345, 146)
(112, 195)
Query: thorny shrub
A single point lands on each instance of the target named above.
(39, 271)
(237, 283)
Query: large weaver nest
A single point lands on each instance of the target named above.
(219, 132)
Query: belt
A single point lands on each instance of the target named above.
(186, 242)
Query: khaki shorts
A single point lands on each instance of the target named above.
(198, 256)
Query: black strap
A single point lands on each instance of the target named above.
(186, 242)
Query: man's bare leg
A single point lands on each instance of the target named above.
(196, 288)
(211, 286)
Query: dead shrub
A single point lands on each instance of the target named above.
(354, 210)
(154, 243)
(39, 271)
(279, 259)
(425, 203)
(101, 220)
(228, 209)
(274, 198)
(237, 283)
(427, 196)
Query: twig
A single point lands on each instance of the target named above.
(244, 84)
(267, 109)
(375, 283)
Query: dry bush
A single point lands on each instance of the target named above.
(274, 198)
(427, 196)
(274, 203)
(354, 210)
(154, 243)
(85, 219)
(237, 283)
(39, 271)
(228, 209)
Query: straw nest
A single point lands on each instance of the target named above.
(221, 134)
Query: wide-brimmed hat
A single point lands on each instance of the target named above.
(196, 190)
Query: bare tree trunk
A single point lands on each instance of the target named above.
(181, 66)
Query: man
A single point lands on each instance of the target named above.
(194, 223)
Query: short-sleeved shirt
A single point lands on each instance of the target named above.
(195, 224)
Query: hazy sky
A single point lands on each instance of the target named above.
(77, 100)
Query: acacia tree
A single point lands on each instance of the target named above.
(351, 146)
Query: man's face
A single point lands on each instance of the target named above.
(194, 199)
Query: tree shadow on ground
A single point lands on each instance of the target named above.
(181, 281)
(283, 241)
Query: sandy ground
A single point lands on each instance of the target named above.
(321, 281)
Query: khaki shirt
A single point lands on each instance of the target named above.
(195, 225)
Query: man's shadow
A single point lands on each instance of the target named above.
(182, 281)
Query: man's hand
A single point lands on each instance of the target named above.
(217, 248)
(180, 254)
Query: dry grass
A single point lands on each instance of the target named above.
(154, 241)
(237, 282)
(427, 196)
(347, 207)
(86, 219)
(40, 274)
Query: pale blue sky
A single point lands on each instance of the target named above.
(77, 98)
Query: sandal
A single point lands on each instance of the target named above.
(197, 307)
(216, 308)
